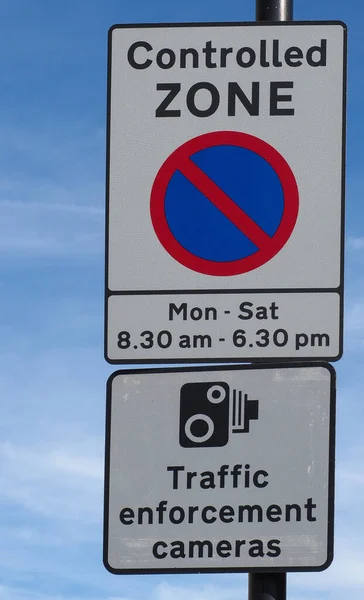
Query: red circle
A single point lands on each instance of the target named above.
(241, 265)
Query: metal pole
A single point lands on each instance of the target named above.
(267, 586)
(270, 586)
(274, 10)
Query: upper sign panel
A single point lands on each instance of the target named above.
(225, 164)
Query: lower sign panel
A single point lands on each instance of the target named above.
(220, 469)
(236, 327)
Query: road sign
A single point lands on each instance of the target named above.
(220, 469)
(225, 189)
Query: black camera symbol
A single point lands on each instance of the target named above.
(205, 414)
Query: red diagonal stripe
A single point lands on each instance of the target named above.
(224, 203)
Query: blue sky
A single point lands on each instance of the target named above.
(52, 385)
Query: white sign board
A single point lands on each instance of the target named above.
(225, 192)
(220, 469)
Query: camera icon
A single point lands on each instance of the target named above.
(207, 414)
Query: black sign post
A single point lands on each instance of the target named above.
(274, 10)
(270, 586)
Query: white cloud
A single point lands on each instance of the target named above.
(79, 465)
(354, 326)
(48, 228)
(67, 151)
(60, 482)
(167, 591)
(354, 320)
(350, 484)
(351, 477)
(344, 576)
(21, 593)
(355, 243)
(51, 206)
(52, 190)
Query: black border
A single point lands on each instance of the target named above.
(331, 469)
(339, 289)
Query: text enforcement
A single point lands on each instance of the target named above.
(242, 513)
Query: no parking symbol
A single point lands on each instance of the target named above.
(224, 203)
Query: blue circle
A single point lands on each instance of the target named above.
(201, 228)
